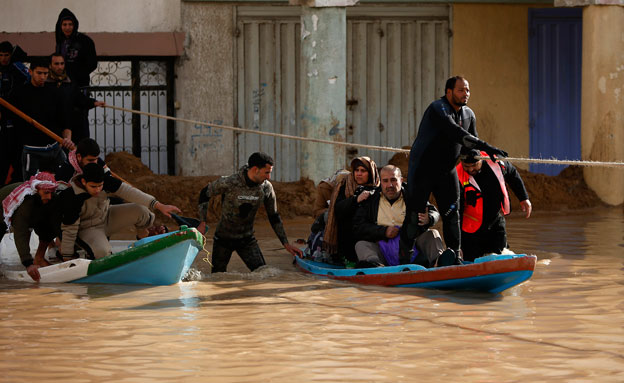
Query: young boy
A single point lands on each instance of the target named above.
(89, 219)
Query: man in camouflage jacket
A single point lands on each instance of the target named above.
(242, 194)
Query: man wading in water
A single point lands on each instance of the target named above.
(242, 194)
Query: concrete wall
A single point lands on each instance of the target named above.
(94, 16)
(490, 48)
(205, 90)
(602, 115)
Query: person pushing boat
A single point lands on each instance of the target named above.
(242, 193)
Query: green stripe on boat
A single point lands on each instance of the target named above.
(134, 253)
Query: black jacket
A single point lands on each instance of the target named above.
(441, 134)
(345, 210)
(365, 225)
(46, 106)
(78, 51)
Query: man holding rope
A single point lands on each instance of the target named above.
(46, 106)
(447, 125)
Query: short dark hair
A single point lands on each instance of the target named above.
(259, 160)
(450, 83)
(56, 54)
(39, 62)
(6, 47)
(469, 156)
(88, 147)
(93, 173)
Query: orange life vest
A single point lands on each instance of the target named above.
(473, 215)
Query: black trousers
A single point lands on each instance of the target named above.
(491, 239)
(445, 189)
(247, 249)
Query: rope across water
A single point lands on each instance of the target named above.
(354, 145)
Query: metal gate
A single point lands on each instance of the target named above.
(139, 84)
(397, 64)
(555, 46)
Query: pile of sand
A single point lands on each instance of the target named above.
(568, 190)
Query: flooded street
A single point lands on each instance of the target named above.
(565, 324)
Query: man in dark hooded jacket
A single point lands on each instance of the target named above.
(80, 60)
(77, 48)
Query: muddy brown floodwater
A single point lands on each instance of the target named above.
(279, 325)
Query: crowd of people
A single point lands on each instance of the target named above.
(365, 217)
(56, 184)
(51, 91)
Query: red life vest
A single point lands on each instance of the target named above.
(473, 215)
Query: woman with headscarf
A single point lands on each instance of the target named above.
(350, 190)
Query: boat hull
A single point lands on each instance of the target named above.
(492, 274)
(160, 260)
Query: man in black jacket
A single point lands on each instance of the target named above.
(77, 101)
(447, 125)
(13, 74)
(46, 106)
(379, 218)
(485, 201)
(80, 60)
(77, 48)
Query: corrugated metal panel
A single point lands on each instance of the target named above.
(397, 63)
(555, 44)
(396, 68)
(268, 84)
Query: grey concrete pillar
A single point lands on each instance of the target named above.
(324, 87)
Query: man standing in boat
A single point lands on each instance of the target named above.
(242, 193)
(485, 202)
(447, 125)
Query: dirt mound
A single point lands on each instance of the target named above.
(568, 190)
(127, 166)
(293, 198)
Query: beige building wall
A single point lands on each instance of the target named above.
(602, 113)
(94, 16)
(205, 90)
(490, 48)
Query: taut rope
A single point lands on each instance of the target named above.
(354, 145)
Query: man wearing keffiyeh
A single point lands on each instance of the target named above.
(31, 205)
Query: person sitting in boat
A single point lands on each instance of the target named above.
(485, 201)
(242, 193)
(32, 205)
(377, 225)
(349, 191)
(89, 219)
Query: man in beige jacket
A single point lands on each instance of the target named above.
(89, 219)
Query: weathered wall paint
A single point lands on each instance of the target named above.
(490, 48)
(94, 16)
(205, 90)
(323, 63)
(602, 115)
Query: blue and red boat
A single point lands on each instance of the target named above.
(491, 273)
